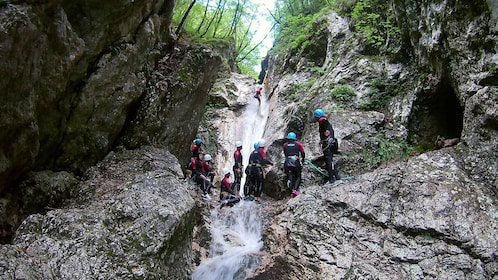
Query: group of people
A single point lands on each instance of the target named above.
(295, 155)
(201, 168)
(203, 174)
(293, 150)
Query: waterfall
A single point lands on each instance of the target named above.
(250, 128)
(235, 245)
(236, 231)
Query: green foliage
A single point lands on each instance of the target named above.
(298, 32)
(343, 93)
(285, 8)
(222, 20)
(390, 150)
(380, 92)
(298, 91)
(344, 7)
(316, 70)
(374, 20)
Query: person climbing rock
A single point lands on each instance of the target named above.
(258, 94)
(237, 166)
(294, 156)
(327, 144)
(228, 197)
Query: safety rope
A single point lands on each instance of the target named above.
(320, 170)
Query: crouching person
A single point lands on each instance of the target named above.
(202, 176)
(227, 195)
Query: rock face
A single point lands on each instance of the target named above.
(421, 219)
(133, 218)
(80, 78)
(85, 79)
(430, 214)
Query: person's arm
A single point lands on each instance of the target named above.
(301, 150)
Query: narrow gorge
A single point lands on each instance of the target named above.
(101, 102)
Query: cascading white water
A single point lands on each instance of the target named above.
(236, 231)
(250, 128)
(235, 245)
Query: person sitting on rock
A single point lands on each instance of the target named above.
(196, 149)
(228, 197)
(203, 177)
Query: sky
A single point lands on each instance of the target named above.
(265, 26)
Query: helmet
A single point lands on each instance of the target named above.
(238, 144)
(207, 157)
(261, 143)
(291, 136)
(256, 145)
(226, 171)
(318, 113)
(198, 141)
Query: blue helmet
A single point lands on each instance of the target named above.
(256, 145)
(318, 113)
(291, 136)
(198, 141)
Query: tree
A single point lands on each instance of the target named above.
(184, 18)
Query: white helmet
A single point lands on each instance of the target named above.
(226, 171)
(261, 143)
(207, 157)
(238, 144)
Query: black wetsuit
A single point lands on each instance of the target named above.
(324, 125)
(292, 165)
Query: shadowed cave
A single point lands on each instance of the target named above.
(436, 112)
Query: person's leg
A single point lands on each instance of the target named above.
(259, 184)
(330, 166)
(297, 174)
(246, 186)
(238, 178)
(290, 178)
(336, 172)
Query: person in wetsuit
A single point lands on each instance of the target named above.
(228, 197)
(257, 161)
(258, 94)
(294, 156)
(237, 166)
(326, 137)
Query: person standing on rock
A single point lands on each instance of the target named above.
(249, 186)
(257, 161)
(237, 166)
(294, 156)
(326, 143)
